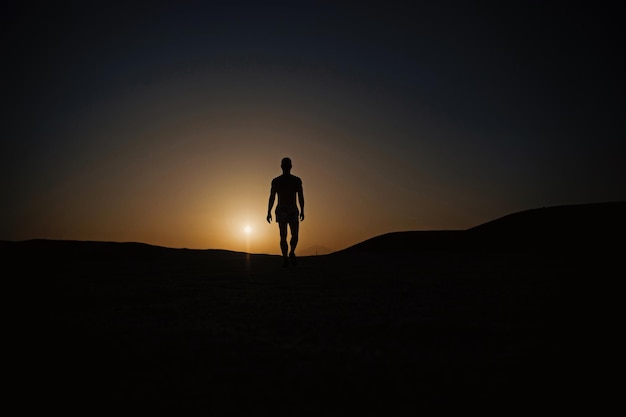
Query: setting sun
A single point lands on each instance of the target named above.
(247, 230)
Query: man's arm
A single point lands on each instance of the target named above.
(301, 201)
(270, 204)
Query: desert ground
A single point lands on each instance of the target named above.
(479, 319)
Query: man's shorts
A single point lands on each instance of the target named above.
(287, 214)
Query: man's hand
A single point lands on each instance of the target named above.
(269, 218)
(301, 215)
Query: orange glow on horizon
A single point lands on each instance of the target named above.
(204, 177)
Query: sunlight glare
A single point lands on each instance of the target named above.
(247, 230)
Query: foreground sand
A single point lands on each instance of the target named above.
(128, 325)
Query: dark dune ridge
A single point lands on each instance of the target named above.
(503, 313)
(560, 229)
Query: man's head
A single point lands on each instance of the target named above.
(285, 164)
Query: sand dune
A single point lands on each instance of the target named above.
(561, 228)
(394, 324)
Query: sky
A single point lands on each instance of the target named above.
(165, 122)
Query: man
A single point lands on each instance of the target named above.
(287, 187)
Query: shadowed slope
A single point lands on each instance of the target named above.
(561, 228)
(410, 241)
(105, 251)
(571, 227)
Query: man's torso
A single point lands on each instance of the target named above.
(287, 187)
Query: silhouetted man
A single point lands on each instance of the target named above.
(287, 186)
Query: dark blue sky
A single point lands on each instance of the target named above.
(460, 111)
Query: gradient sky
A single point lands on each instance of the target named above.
(164, 123)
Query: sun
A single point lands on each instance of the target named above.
(247, 229)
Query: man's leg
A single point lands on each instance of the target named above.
(283, 240)
(295, 229)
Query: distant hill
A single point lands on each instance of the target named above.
(120, 252)
(582, 217)
(410, 241)
(568, 227)
(587, 226)
(314, 250)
